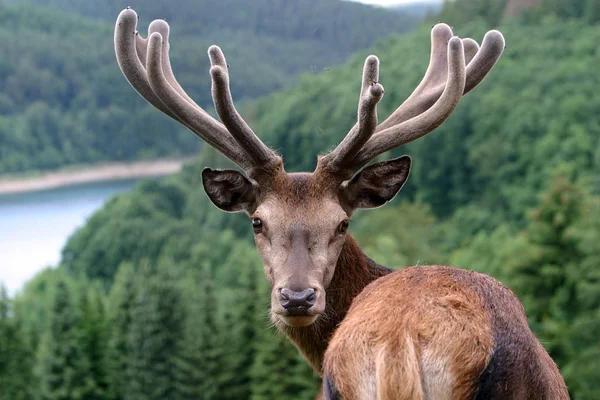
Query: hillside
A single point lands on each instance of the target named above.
(160, 287)
(61, 103)
(419, 9)
(339, 25)
(494, 12)
(527, 139)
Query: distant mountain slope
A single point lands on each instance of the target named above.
(515, 7)
(487, 166)
(531, 11)
(63, 99)
(343, 26)
(420, 9)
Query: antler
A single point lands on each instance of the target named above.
(456, 67)
(146, 65)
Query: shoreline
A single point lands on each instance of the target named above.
(74, 175)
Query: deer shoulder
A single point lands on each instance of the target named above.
(434, 332)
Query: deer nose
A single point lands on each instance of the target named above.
(297, 303)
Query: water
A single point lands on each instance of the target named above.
(35, 226)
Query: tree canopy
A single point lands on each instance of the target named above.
(62, 104)
(173, 291)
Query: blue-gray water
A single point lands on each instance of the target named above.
(35, 226)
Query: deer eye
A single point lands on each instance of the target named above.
(343, 226)
(257, 225)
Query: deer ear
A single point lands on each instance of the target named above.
(229, 190)
(377, 184)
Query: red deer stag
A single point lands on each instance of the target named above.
(300, 220)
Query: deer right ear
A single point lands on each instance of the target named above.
(376, 184)
(229, 190)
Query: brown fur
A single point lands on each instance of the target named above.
(353, 272)
(430, 333)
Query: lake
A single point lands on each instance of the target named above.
(35, 226)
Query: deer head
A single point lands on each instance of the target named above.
(300, 220)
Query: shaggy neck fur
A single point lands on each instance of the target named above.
(353, 271)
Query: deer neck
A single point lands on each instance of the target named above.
(353, 271)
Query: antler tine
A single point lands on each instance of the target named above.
(141, 47)
(437, 70)
(161, 26)
(159, 87)
(128, 58)
(370, 95)
(471, 48)
(480, 62)
(435, 77)
(242, 133)
(488, 55)
(127, 46)
(200, 123)
(426, 122)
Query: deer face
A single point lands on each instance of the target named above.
(299, 241)
(300, 221)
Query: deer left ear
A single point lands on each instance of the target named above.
(229, 190)
(377, 184)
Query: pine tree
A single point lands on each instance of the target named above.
(199, 359)
(4, 340)
(63, 368)
(121, 300)
(558, 285)
(156, 329)
(240, 324)
(544, 276)
(94, 334)
(580, 338)
(592, 11)
(16, 380)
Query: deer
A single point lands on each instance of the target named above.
(300, 222)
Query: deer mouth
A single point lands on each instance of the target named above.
(296, 316)
(299, 320)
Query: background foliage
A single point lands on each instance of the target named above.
(160, 295)
(61, 103)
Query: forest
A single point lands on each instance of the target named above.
(160, 295)
(62, 104)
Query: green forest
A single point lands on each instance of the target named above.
(62, 104)
(162, 296)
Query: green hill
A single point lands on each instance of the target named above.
(507, 186)
(63, 99)
(421, 9)
(528, 11)
(527, 139)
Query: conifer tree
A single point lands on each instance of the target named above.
(580, 337)
(94, 334)
(121, 300)
(16, 380)
(558, 286)
(240, 325)
(4, 333)
(543, 278)
(156, 329)
(592, 11)
(63, 369)
(199, 360)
